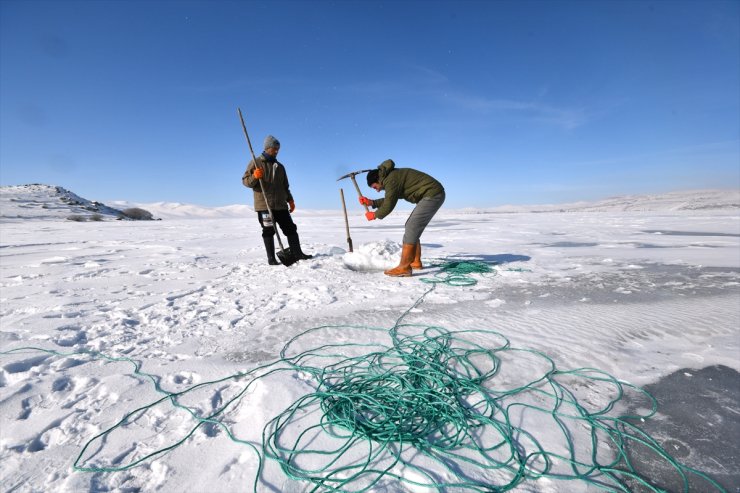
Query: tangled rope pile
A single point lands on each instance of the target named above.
(428, 407)
(459, 273)
(437, 409)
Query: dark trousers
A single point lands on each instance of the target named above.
(282, 218)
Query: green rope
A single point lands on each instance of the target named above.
(458, 273)
(424, 406)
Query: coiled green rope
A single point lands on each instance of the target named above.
(459, 273)
(425, 406)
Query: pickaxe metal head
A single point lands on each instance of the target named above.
(354, 182)
(351, 175)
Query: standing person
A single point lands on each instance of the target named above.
(267, 169)
(413, 186)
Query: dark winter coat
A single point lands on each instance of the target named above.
(403, 183)
(274, 182)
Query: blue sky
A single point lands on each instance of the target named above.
(504, 102)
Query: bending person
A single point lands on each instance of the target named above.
(413, 186)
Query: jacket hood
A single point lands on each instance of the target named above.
(385, 168)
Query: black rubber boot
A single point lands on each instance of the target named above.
(270, 248)
(295, 248)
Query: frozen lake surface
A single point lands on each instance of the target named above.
(119, 315)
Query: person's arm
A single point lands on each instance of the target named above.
(248, 179)
(288, 195)
(387, 203)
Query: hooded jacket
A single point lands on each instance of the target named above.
(274, 183)
(403, 183)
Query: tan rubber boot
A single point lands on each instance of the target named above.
(403, 269)
(416, 264)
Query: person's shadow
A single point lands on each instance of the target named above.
(502, 258)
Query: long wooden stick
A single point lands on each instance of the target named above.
(346, 221)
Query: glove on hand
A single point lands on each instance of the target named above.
(370, 216)
(258, 173)
(291, 206)
(365, 201)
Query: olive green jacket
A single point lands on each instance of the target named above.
(274, 182)
(403, 183)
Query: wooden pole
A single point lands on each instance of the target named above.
(346, 221)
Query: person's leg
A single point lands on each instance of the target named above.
(290, 230)
(420, 218)
(415, 225)
(268, 236)
(416, 263)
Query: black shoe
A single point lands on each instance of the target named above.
(272, 261)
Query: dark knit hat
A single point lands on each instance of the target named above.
(373, 177)
(271, 142)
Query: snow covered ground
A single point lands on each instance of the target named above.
(119, 314)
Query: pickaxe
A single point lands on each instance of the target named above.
(352, 177)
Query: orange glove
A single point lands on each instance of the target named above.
(370, 216)
(365, 201)
(291, 205)
(258, 173)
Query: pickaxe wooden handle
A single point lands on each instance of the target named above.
(359, 194)
(352, 177)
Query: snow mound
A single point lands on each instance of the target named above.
(375, 256)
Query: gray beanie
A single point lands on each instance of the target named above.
(271, 142)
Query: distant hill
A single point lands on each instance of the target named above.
(690, 200)
(53, 203)
(47, 202)
(176, 210)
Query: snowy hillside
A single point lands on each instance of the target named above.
(46, 202)
(690, 200)
(176, 210)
